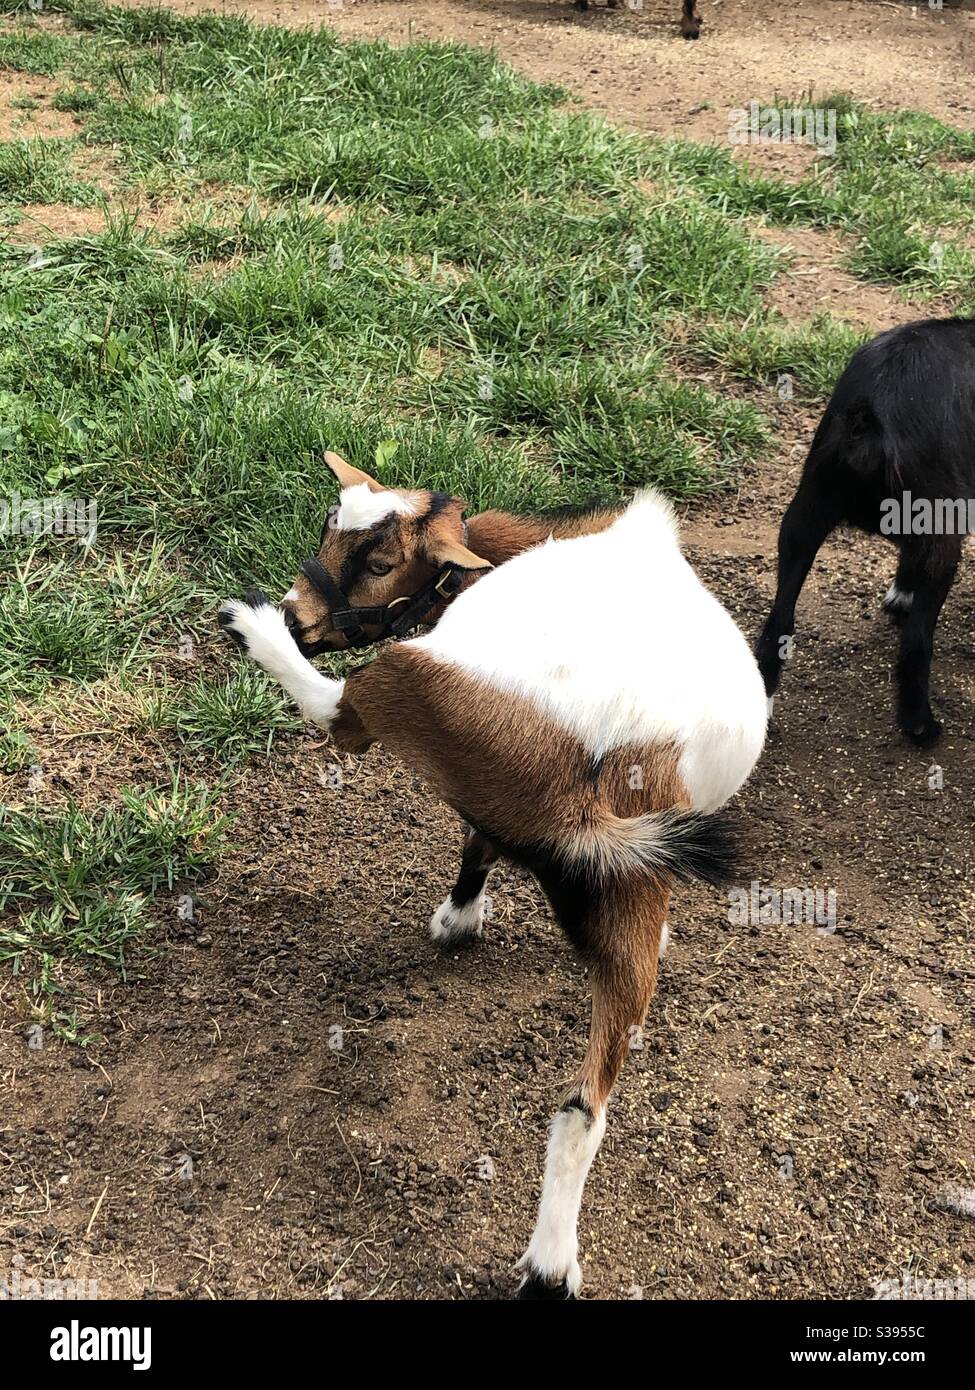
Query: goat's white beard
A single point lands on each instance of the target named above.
(270, 644)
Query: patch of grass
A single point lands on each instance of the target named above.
(37, 171)
(75, 99)
(77, 620)
(898, 254)
(811, 355)
(34, 50)
(78, 884)
(603, 428)
(679, 437)
(736, 189)
(230, 718)
(886, 185)
(16, 750)
(72, 857)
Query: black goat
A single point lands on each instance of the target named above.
(894, 454)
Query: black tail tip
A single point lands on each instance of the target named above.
(708, 847)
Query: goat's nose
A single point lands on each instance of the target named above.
(290, 619)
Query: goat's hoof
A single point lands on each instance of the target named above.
(923, 733)
(769, 662)
(226, 618)
(535, 1287)
(451, 925)
(770, 679)
(230, 612)
(563, 1279)
(258, 628)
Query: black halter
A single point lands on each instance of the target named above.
(393, 620)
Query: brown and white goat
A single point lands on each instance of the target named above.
(584, 703)
(690, 18)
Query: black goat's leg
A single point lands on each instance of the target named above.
(809, 518)
(900, 595)
(460, 917)
(935, 566)
(690, 19)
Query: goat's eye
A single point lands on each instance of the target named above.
(378, 567)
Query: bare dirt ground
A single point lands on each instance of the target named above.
(802, 1103)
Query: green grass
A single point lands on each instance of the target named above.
(38, 171)
(79, 619)
(16, 750)
(78, 885)
(888, 187)
(229, 718)
(370, 243)
(809, 356)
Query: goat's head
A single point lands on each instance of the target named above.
(379, 548)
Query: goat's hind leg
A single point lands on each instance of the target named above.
(690, 20)
(460, 917)
(935, 566)
(619, 929)
(900, 596)
(809, 518)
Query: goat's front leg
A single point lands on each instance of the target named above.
(259, 629)
(460, 917)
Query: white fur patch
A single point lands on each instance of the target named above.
(897, 601)
(290, 596)
(615, 638)
(664, 941)
(451, 923)
(271, 645)
(360, 508)
(572, 1145)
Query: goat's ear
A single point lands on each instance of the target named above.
(443, 541)
(349, 476)
(445, 550)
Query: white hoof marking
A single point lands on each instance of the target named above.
(452, 923)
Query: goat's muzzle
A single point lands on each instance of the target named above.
(295, 628)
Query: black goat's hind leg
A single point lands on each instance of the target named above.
(809, 518)
(934, 571)
(900, 595)
(690, 19)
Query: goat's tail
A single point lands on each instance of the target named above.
(673, 843)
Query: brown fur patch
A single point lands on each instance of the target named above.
(523, 781)
(509, 769)
(499, 536)
(503, 764)
(623, 976)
